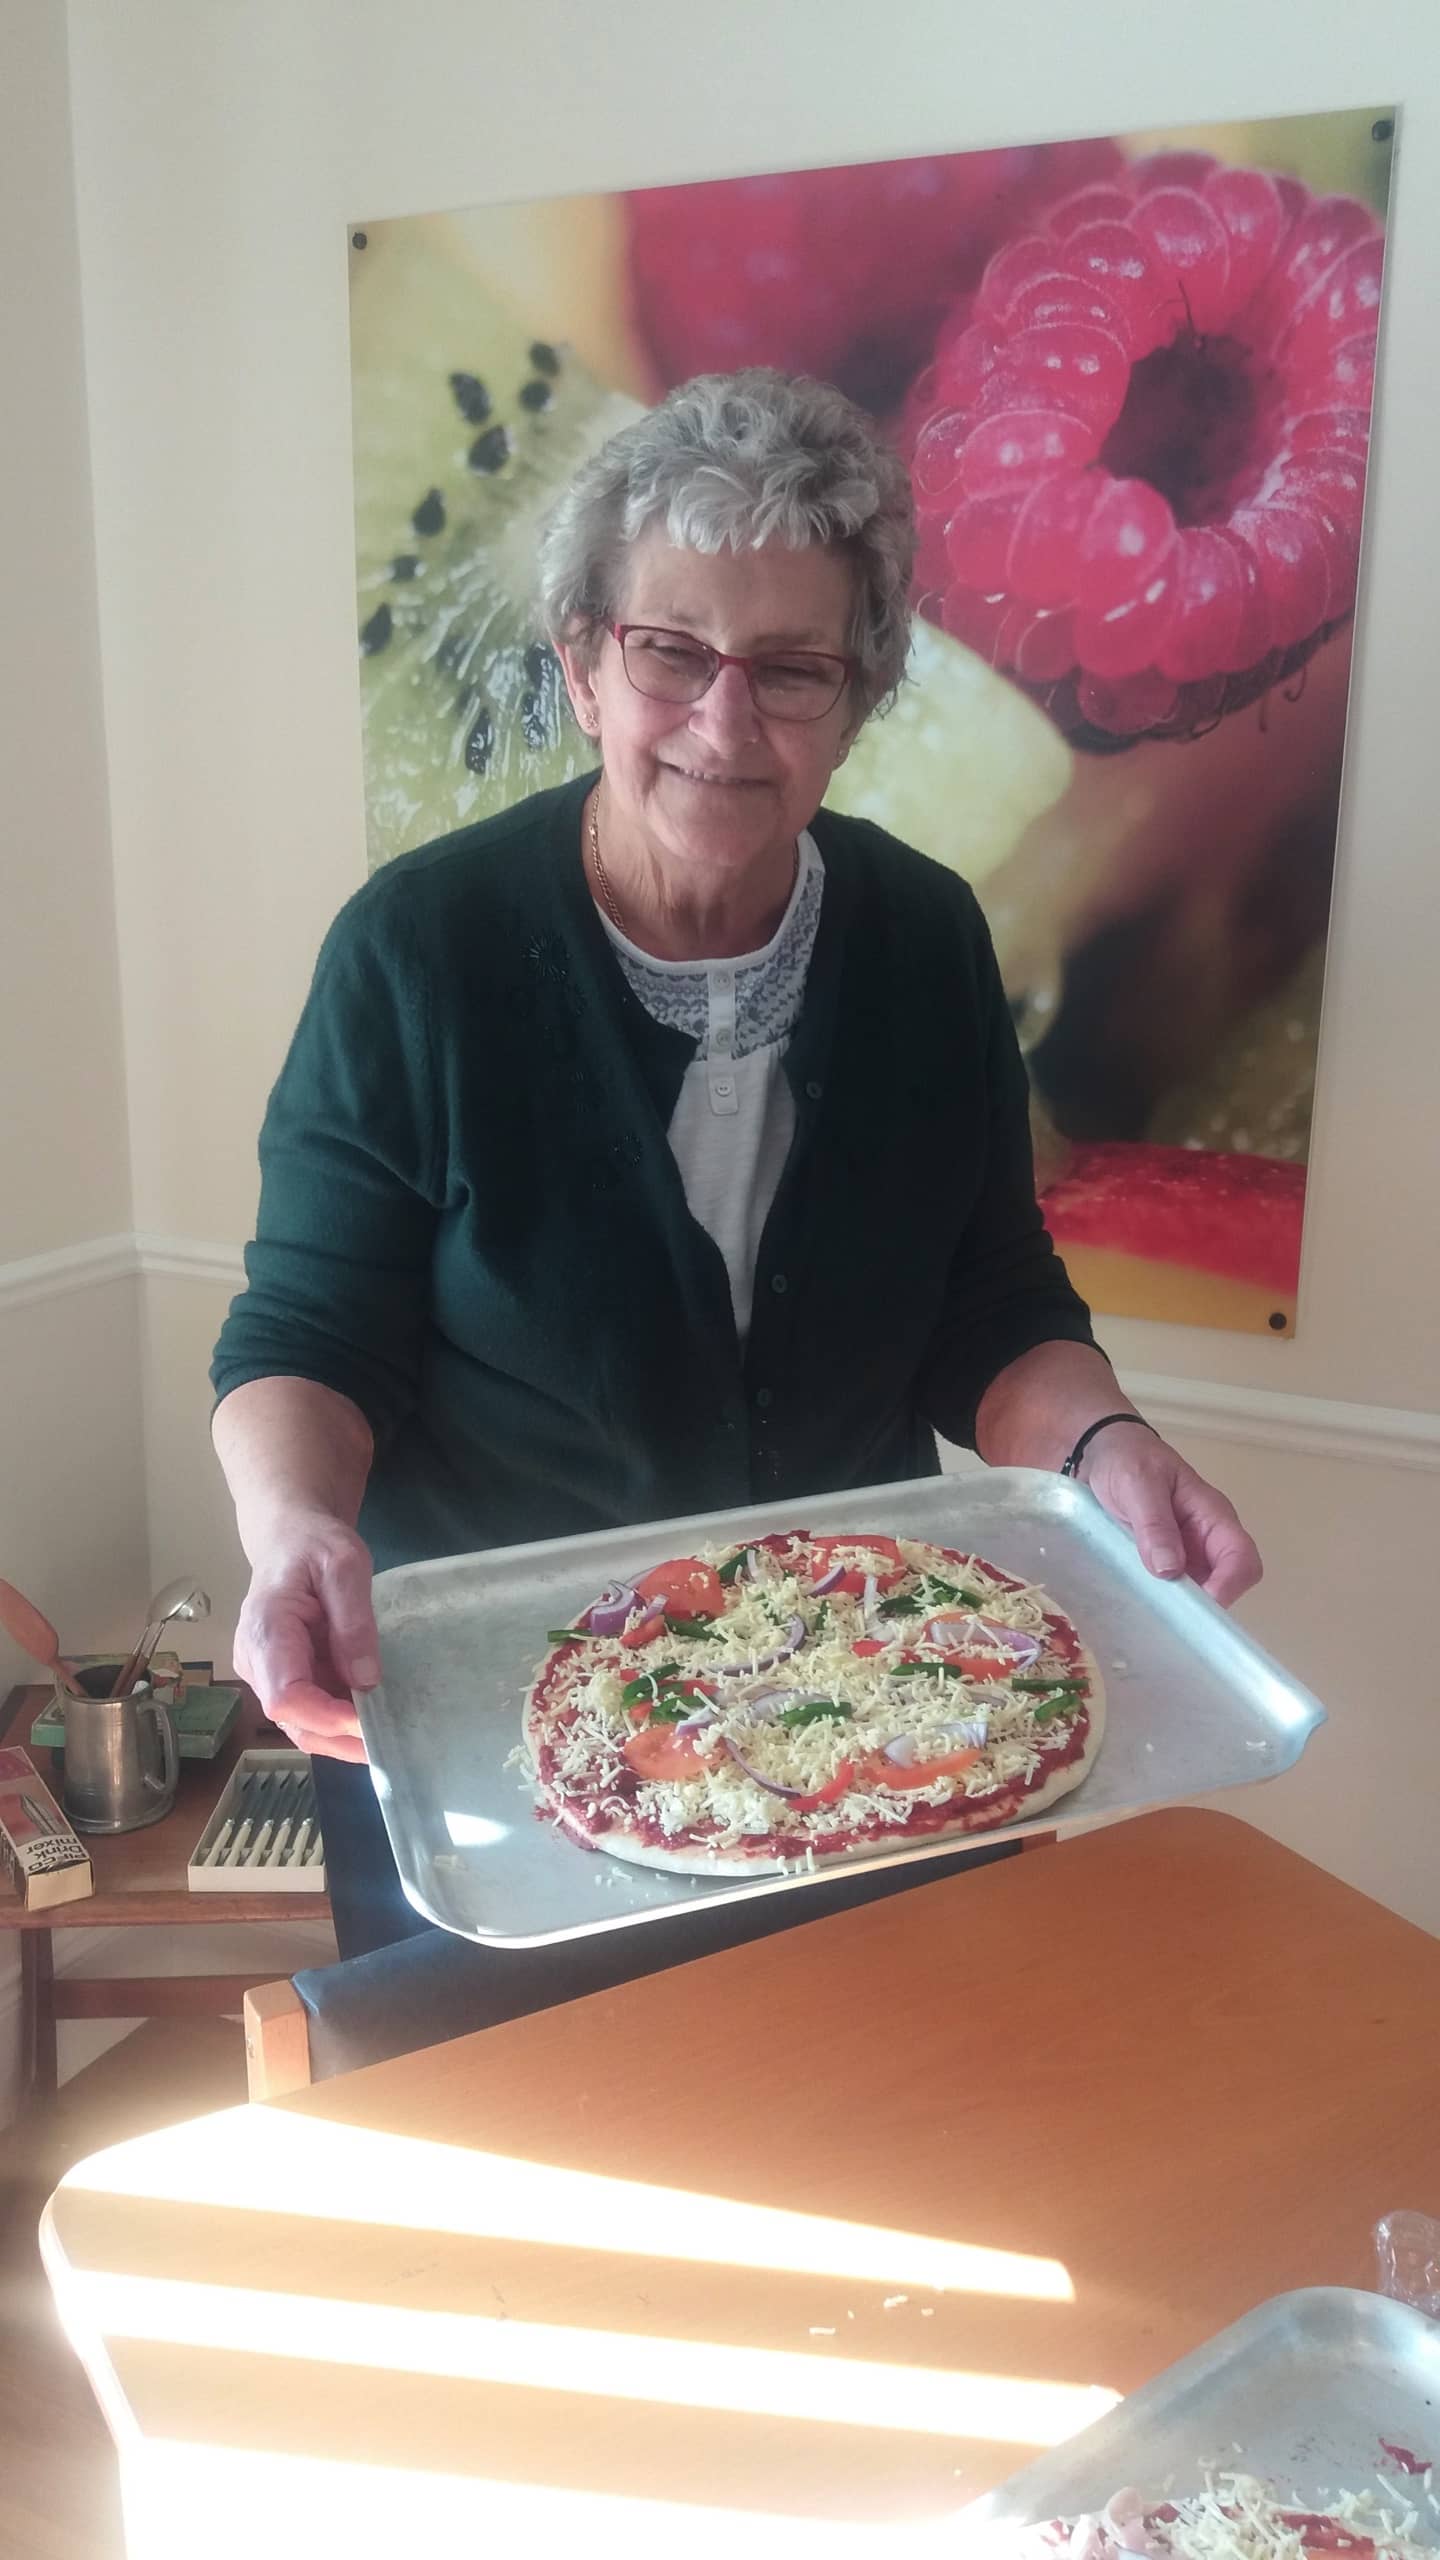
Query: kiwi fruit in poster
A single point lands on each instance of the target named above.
(1133, 380)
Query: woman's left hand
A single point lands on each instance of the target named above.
(1180, 1523)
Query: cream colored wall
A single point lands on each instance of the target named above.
(64, 1150)
(72, 1494)
(72, 1482)
(220, 154)
(78, 1444)
(1351, 1551)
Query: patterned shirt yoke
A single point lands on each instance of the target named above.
(769, 984)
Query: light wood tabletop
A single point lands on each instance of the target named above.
(812, 2241)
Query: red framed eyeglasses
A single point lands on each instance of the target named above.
(785, 684)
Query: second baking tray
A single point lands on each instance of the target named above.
(1306, 2392)
(1191, 1704)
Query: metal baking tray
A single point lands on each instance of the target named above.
(1305, 2392)
(1192, 1704)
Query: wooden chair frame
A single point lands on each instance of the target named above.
(277, 2040)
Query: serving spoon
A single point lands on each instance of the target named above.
(34, 1634)
(182, 1598)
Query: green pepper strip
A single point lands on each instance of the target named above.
(1047, 1709)
(671, 1709)
(955, 1591)
(646, 1683)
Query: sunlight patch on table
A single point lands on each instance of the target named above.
(346, 2173)
(384, 2511)
(538, 2355)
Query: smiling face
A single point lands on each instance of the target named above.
(712, 786)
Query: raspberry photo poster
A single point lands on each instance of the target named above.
(1133, 378)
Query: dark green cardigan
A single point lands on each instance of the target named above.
(472, 1225)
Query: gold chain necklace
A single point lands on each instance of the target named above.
(602, 879)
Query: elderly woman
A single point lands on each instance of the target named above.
(661, 1145)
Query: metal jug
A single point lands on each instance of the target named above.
(121, 1760)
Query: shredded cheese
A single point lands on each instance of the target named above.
(1234, 2517)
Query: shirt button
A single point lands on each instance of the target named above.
(722, 1038)
(724, 1087)
(764, 1398)
(814, 1090)
(724, 979)
(779, 1283)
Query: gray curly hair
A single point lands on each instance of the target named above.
(739, 459)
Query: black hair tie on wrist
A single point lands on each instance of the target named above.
(1072, 1463)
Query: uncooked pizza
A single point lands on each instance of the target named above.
(800, 1700)
(1235, 2517)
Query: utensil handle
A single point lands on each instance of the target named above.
(169, 1776)
(131, 1669)
(214, 1855)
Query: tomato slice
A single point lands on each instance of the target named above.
(784, 1544)
(1327, 2533)
(980, 1647)
(645, 1629)
(886, 1773)
(659, 1751)
(870, 1644)
(886, 1562)
(688, 1588)
(642, 1710)
(833, 1789)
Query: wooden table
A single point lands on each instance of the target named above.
(139, 1883)
(807, 2243)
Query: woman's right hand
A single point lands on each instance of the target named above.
(306, 1635)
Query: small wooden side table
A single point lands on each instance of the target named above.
(139, 1883)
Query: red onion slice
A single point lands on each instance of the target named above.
(884, 1630)
(830, 1581)
(956, 1634)
(702, 1717)
(765, 1705)
(1124, 2519)
(771, 1786)
(607, 1615)
(791, 1641)
(970, 1734)
(770, 1703)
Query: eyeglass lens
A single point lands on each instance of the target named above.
(792, 685)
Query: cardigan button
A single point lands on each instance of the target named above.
(764, 1398)
(779, 1283)
(813, 1090)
